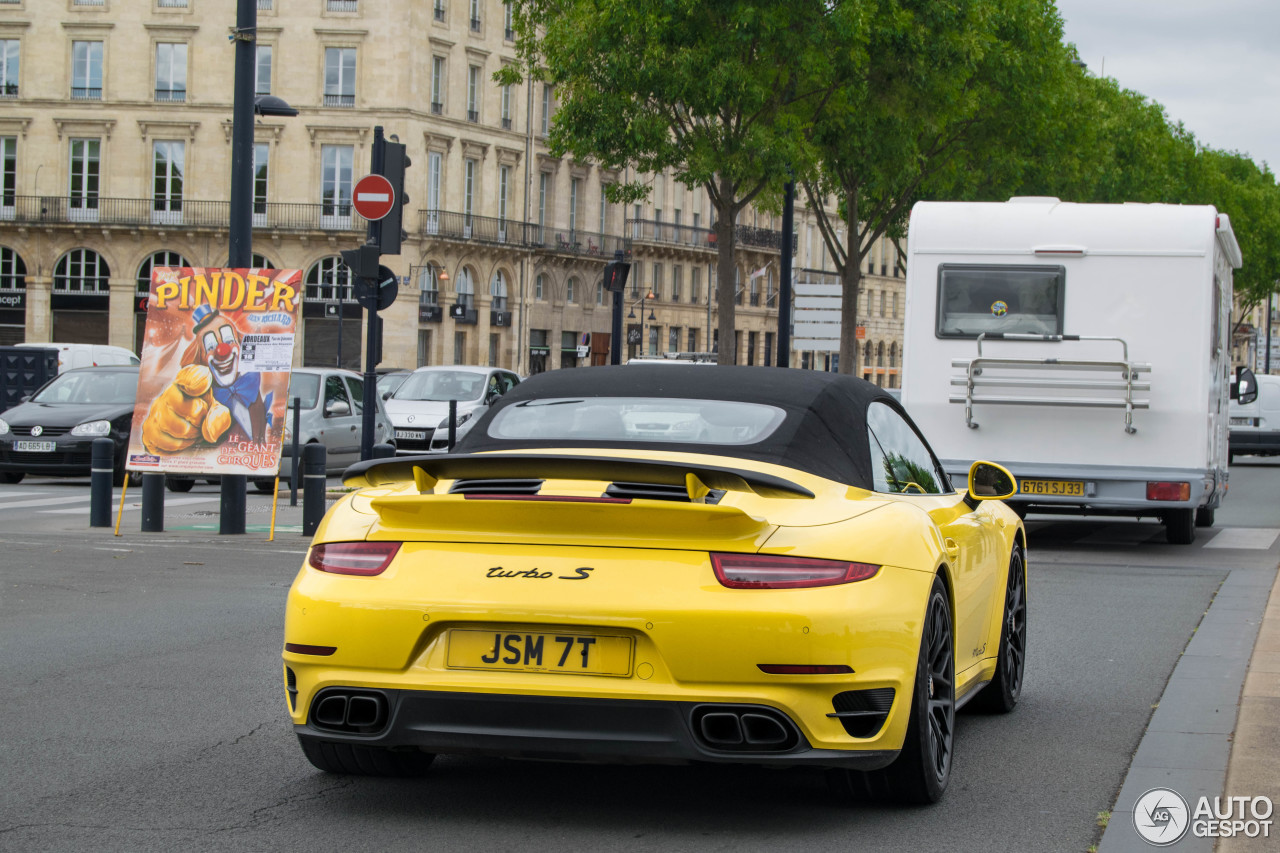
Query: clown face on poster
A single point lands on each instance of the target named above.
(214, 382)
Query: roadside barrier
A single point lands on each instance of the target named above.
(313, 485)
(101, 470)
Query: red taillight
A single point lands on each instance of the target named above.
(353, 558)
(805, 669)
(1168, 491)
(768, 571)
(304, 649)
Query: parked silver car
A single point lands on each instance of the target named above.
(419, 407)
(331, 412)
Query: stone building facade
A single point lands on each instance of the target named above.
(115, 144)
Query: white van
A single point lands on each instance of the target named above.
(87, 355)
(1255, 426)
(1083, 346)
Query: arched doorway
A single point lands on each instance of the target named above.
(81, 298)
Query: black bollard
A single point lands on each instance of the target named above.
(295, 461)
(313, 483)
(231, 505)
(101, 466)
(453, 424)
(153, 503)
(383, 451)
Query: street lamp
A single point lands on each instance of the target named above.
(631, 315)
(231, 509)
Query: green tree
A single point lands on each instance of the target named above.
(948, 103)
(721, 92)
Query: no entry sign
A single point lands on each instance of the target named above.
(373, 197)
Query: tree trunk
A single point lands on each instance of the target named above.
(726, 263)
(851, 288)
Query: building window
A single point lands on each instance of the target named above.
(171, 72)
(882, 303)
(340, 5)
(504, 181)
(539, 287)
(695, 285)
(600, 292)
(260, 156)
(9, 65)
(508, 22)
(604, 210)
(498, 291)
(673, 339)
(437, 84)
(424, 347)
(575, 191)
(752, 342)
(83, 180)
(81, 271)
(13, 271)
(429, 286)
(546, 110)
(168, 159)
(86, 70)
(494, 340)
(542, 205)
(768, 348)
(159, 259)
(475, 16)
(434, 165)
(677, 282)
(439, 10)
(506, 107)
(9, 165)
(473, 93)
(329, 280)
(468, 189)
(895, 305)
(570, 287)
(693, 340)
(657, 280)
(466, 289)
(339, 76)
(459, 347)
(262, 69)
(335, 182)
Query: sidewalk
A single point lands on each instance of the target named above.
(1254, 770)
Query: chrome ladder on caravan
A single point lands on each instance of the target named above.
(1014, 373)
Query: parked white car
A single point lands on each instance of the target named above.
(419, 407)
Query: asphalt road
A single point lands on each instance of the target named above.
(145, 708)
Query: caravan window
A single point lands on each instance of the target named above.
(973, 299)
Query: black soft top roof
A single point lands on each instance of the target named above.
(824, 431)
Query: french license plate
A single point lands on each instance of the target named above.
(35, 446)
(411, 434)
(1068, 488)
(1242, 421)
(531, 651)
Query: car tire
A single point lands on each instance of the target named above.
(180, 484)
(1205, 516)
(1180, 526)
(265, 486)
(1000, 696)
(349, 759)
(12, 476)
(920, 772)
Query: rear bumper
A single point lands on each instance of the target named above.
(1113, 490)
(1254, 441)
(585, 729)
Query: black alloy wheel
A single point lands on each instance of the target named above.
(1001, 695)
(922, 769)
(1180, 526)
(12, 476)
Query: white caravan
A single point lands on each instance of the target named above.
(1083, 346)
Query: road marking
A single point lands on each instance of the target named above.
(1244, 538)
(131, 506)
(64, 499)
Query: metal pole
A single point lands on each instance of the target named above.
(784, 286)
(295, 468)
(377, 162)
(453, 424)
(313, 485)
(232, 499)
(153, 503)
(1267, 358)
(615, 327)
(340, 324)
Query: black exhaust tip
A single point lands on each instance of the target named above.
(350, 711)
(721, 729)
(759, 730)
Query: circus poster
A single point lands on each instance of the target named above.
(214, 381)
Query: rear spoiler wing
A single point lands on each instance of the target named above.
(427, 470)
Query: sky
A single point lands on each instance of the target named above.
(1213, 64)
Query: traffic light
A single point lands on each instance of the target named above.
(615, 275)
(363, 262)
(394, 161)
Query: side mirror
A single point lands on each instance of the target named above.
(336, 409)
(1244, 390)
(386, 395)
(991, 482)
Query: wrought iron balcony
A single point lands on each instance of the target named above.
(525, 235)
(174, 212)
(437, 108)
(342, 5)
(475, 25)
(9, 90)
(653, 231)
(174, 95)
(339, 100)
(84, 93)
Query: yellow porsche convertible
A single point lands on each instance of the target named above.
(741, 564)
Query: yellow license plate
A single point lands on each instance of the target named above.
(1068, 488)
(533, 651)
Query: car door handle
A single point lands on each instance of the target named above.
(953, 547)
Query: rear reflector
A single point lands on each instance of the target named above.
(1168, 491)
(768, 571)
(303, 649)
(804, 669)
(353, 558)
